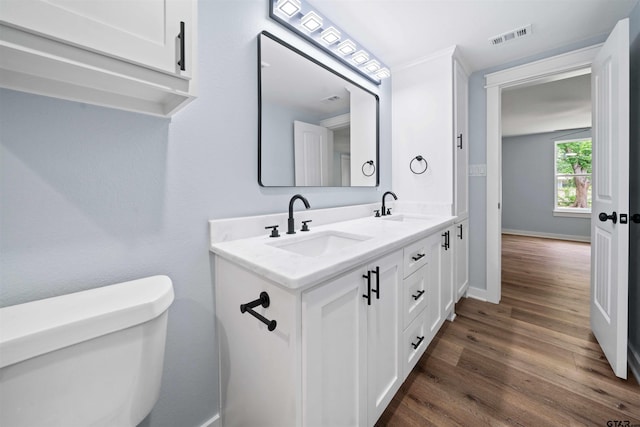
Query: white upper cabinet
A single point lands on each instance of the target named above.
(429, 124)
(461, 133)
(132, 55)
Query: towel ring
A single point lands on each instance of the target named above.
(419, 158)
(370, 163)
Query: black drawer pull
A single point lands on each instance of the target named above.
(263, 301)
(418, 257)
(418, 295)
(417, 344)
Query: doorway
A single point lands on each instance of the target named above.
(609, 64)
(548, 70)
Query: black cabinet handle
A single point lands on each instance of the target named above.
(417, 344)
(377, 290)
(418, 257)
(418, 295)
(459, 137)
(182, 61)
(460, 235)
(368, 295)
(604, 217)
(263, 301)
(446, 244)
(635, 218)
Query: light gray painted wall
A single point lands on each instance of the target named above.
(528, 185)
(477, 155)
(91, 196)
(634, 187)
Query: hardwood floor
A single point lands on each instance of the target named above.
(529, 361)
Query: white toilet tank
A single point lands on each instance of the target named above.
(91, 358)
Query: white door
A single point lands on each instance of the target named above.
(313, 149)
(143, 32)
(610, 238)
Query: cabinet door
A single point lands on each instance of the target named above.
(434, 289)
(334, 353)
(462, 258)
(446, 274)
(461, 158)
(384, 369)
(141, 32)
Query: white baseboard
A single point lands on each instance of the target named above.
(633, 358)
(215, 421)
(547, 235)
(475, 293)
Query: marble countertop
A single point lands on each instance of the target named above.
(294, 271)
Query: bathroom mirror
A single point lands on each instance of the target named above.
(316, 127)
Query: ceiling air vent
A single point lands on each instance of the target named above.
(510, 35)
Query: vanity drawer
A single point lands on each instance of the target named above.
(415, 256)
(414, 294)
(414, 342)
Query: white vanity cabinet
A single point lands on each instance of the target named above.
(461, 246)
(343, 344)
(137, 56)
(350, 345)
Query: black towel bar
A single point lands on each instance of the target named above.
(263, 301)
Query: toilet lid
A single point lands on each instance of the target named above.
(38, 327)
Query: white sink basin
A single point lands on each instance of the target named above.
(318, 244)
(409, 218)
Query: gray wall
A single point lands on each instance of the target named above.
(477, 155)
(634, 187)
(528, 185)
(91, 196)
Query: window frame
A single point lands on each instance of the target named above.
(564, 211)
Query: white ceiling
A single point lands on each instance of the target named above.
(402, 31)
(558, 105)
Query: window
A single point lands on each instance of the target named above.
(573, 178)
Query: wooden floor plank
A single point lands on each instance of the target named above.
(530, 360)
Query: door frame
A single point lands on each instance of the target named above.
(557, 67)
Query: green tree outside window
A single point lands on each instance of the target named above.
(573, 174)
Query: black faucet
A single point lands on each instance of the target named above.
(290, 220)
(384, 209)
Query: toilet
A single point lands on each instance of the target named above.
(91, 358)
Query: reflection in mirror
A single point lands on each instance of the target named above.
(317, 128)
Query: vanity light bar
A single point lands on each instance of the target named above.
(289, 7)
(372, 66)
(298, 16)
(311, 21)
(330, 35)
(347, 47)
(383, 73)
(360, 57)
